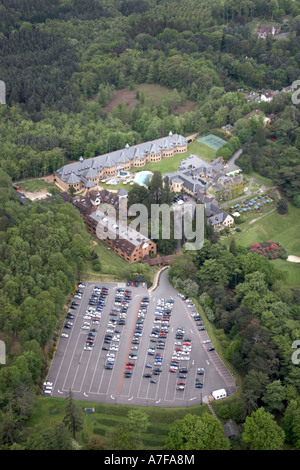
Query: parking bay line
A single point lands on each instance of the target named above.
(86, 368)
(127, 353)
(98, 360)
(75, 348)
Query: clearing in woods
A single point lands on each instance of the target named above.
(154, 94)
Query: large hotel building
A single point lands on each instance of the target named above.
(87, 174)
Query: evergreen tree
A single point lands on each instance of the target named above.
(73, 416)
(233, 248)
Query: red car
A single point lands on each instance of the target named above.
(180, 383)
(178, 349)
(128, 367)
(173, 370)
(186, 343)
(129, 363)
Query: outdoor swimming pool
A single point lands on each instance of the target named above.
(124, 174)
(142, 177)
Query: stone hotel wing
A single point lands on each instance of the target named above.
(86, 174)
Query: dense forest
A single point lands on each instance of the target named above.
(256, 316)
(62, 61)
(42, 247)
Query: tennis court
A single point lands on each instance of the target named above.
(212, 141)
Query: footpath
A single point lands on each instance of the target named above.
(156, 278)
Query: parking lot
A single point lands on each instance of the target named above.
(122, 344)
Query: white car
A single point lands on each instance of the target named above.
(85, 327)
(64, 335)
(48, 384)
(88, 348)
(206, 341)
(110, 355)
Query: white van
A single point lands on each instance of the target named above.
(218, 394)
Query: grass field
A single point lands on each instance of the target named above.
(261, 180)
(49, 411)
(167, 165)
(152, 93)
(112, 265)
(280, 228)
(38, 185)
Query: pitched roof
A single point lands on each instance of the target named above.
(90, 173)
(122, 192)
(73, 179)
(120, 156)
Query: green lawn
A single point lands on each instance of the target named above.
(38, 185)
(261, 180)
(49, 411)
(112, 265)
(280, 228)
(167, 165)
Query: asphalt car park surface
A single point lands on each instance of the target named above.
(137, 347)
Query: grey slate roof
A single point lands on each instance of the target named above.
(87, 183)
(117, 229)
(217, 218)
(72, 179)
(120, 156)
(91, 173)
(122, 192)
